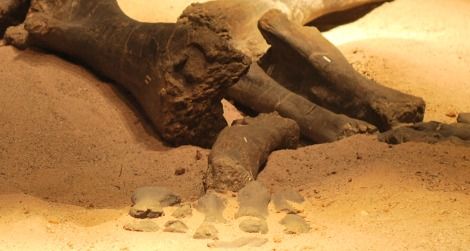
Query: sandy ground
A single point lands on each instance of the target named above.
(73, 148)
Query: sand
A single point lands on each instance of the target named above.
(73, 148)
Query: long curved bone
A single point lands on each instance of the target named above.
(177, 72)
(261, 93)
(306, 63)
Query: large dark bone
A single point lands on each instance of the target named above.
(242, 149)
(12, 12)
(177, 72)
(261, 93)
(305, 62)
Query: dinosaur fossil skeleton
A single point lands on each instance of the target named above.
(258, 53)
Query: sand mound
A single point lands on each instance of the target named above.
(73, 148)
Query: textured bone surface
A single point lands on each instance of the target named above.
(176, 72)
(241, 150)
(17, 36)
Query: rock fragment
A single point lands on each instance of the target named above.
(285, 201)
(183, 211)
(175, 226)
(148, 202)
(206, 231)
(295, 224)
(253, 199)
(212, 206)
(254, 225)
(142, 226)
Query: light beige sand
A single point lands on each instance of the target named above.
(72, 149)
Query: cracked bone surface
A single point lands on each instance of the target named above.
(176, 72)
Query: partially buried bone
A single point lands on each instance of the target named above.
(176, 72)
(240, 150)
